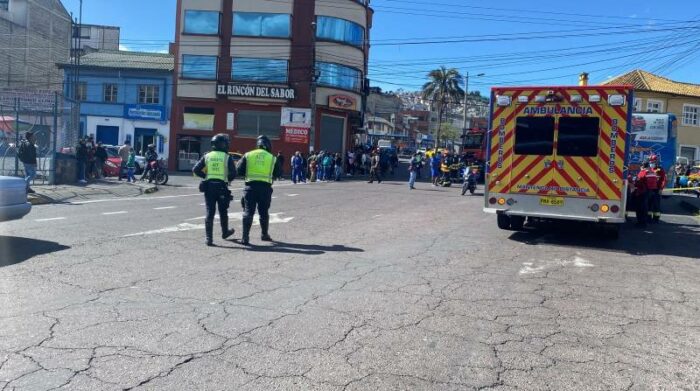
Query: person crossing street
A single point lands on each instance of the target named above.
(259, 168)
(217, 170)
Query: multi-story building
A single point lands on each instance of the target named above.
(95, 37)
(250, 67)
(656, 94)
(34, 36)
(124, 96)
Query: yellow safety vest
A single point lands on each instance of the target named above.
(217, 166)
(259, 166)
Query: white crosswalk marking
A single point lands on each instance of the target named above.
(121, 212)
(51, 219)
(165, 207)
(275, 218)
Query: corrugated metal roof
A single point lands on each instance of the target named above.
(126, 60)
(643, 80)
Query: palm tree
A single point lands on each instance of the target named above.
(443, 88)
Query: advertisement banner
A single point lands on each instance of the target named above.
(343, 102)
(198, 121)
(145, 112)
(296, 118)
(650, 127)
(294, 135)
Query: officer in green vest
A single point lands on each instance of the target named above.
(217, 170)
(259, 168)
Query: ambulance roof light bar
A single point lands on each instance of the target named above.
(503, 100)
(616, 100)
(594, 98)
(522, 99)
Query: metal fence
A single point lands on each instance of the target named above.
(54, 120)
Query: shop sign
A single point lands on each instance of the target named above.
(294, 117)
(343, 102)
(253, 91)
(295, 135)
(144, 112)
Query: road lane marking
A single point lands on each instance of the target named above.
(51, 219)
(165, 207)
(275, 218)
(292, 195)
(121, 212)
(375, 216)
(543, 265)
(177, 228)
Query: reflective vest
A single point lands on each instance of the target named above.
(217, 166)
(259, 166)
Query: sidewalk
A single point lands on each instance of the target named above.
(108, 187)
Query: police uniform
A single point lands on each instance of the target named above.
(259, 168)
(217, 170)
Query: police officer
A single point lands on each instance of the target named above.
(217, 170)
(259, 168)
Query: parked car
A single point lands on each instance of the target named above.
(113, 152)
(13, 198)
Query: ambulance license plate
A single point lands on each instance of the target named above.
(552, 201)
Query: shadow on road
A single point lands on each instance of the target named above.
(665, 238)
(303, 249)
(14, 250)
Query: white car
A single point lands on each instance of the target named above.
(13, 198)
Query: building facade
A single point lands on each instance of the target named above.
(124, 96)
(656, 94)
(250, 67)
(34, 36)
(95, 37)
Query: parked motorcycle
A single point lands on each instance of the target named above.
(157, 173)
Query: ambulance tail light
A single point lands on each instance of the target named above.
(503, 100)
(595, 207)
(605, 208)
(492, 200)
(501, 201)
(614, 208)
(510, 202)
(616, 100)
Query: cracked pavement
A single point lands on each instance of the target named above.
(370, 288)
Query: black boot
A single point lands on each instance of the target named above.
(247, 223)
(225, 231)
(264, 225)
(209, 229)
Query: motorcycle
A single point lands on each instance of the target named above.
(157, 173)
(469, 184)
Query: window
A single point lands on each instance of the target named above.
(336, 75)
(256, 123)
(149, 94)
(81, 93)
(253, 24)
(691, 115)
(534, 136)
(201, 22)
(689, 152)
(199, 67)
(472, 141)
(198, 118)
(259, 69)
(637, 105)
(655, 106)
(4, 5)
(110, 93)
(340, 30)
(578, 136)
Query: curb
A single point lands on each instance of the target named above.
(690, 207)
(38, 199)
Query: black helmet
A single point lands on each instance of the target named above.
(151, 146)
(264, 143)
(220, 142)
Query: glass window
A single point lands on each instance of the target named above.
(255, 24)
(340, 30)
(199, 67)
(691, 115)
(637, 105)
(4, 5)
(259, 69)
(336, 75)
(198, 118)
(534, 136)
(578, 136)
(256, 123)
(110, 93)
(81, 93)
(473, 140)
(201, 22)
(149, 94)
(655, 106)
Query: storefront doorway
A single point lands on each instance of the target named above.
(108, 135)
(189, 150)
(332, 134)
(142, 138)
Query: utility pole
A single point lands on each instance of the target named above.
(314, 78)
(466, 94)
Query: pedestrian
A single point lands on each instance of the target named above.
(365, 163)
(412, 171)
(327, 163)
(26, 153)
(394, 162)
(646, 181)
(313, 169)
(654, 214)
(435, 168)
(298, 168)
(217, 170)
(351, 163)
(679, 171)
(338, 162)
(259, 168)
(131, 167)
(90, 158)
(374, 170)
(124, 153)
(280, 165)
(100, 159)
(81, 157)
(319, 166)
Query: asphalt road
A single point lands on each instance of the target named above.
(369, 287)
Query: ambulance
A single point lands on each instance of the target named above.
(558, 153)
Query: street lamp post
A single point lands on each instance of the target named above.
(466, 94)
(315, 74)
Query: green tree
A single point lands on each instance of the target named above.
(449, 132)
(442, 89)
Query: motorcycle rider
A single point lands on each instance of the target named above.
(655, 194)
(259, 168)
(151, 157)
(217, 170)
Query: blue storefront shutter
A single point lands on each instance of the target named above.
(161, 141)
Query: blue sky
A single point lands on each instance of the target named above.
(511, 41)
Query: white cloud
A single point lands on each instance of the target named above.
(123, 47)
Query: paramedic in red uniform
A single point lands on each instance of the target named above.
(655, 195)
(647, 183)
